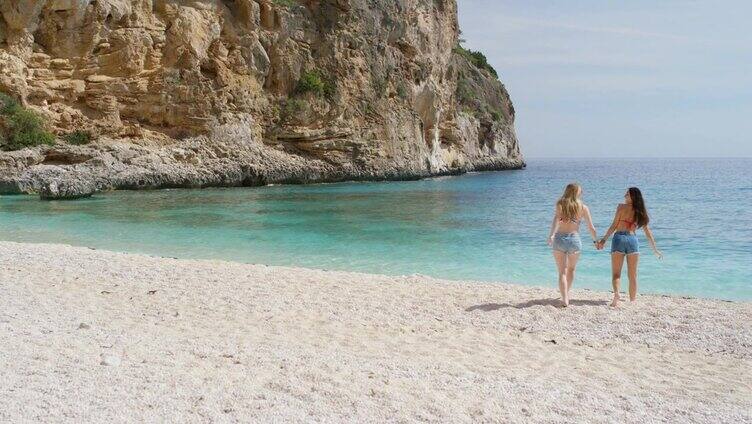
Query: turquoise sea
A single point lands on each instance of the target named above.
(483, 226)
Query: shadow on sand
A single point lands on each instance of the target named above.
(487, 307)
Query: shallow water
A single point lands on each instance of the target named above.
(485, 226)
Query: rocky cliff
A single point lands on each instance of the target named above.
(179, 93)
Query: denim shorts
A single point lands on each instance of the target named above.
(625, 242)
(567, 242)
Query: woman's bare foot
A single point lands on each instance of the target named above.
(564, 302)
(616, 300)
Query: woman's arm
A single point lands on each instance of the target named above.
(612, 228)
(651, 240)
(589, 220)
(554, 226)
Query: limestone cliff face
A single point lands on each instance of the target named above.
(183, 93)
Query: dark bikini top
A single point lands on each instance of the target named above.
(574, 221)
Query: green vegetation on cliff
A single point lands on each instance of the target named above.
(291, 108)
(78, 137)
(315, 82)
(478, 59)
(20, 127)
(472, 104)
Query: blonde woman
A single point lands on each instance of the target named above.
(564, 237)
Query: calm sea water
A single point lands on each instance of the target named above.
(485, 226)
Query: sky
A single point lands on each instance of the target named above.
(637, 78)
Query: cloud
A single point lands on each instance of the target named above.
(523, 23)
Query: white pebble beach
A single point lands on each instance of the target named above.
(96, 336)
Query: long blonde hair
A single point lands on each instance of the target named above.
(570, 205)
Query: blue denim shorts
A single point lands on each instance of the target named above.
(625, 242)
(567, 242)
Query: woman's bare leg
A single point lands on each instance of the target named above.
(617, 262)
(561, 265)
(632, 261)
(572, 259)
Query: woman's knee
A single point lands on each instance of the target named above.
(615, 275)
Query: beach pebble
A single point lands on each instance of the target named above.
(84, 326)
(110, 360)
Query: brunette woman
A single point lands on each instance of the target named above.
(629, 216)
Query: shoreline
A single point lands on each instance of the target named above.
(518, 166)
(607, 294)
(93, 168)
(92, 335)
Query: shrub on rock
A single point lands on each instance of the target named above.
(314, 82)
(21, 127)
(78, 137)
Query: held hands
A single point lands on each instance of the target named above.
(550, 241)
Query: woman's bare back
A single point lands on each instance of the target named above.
(570, 225)
(625, 218)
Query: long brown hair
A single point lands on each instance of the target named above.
(569, 204)
(638, 205)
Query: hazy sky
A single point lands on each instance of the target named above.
(631, 78)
